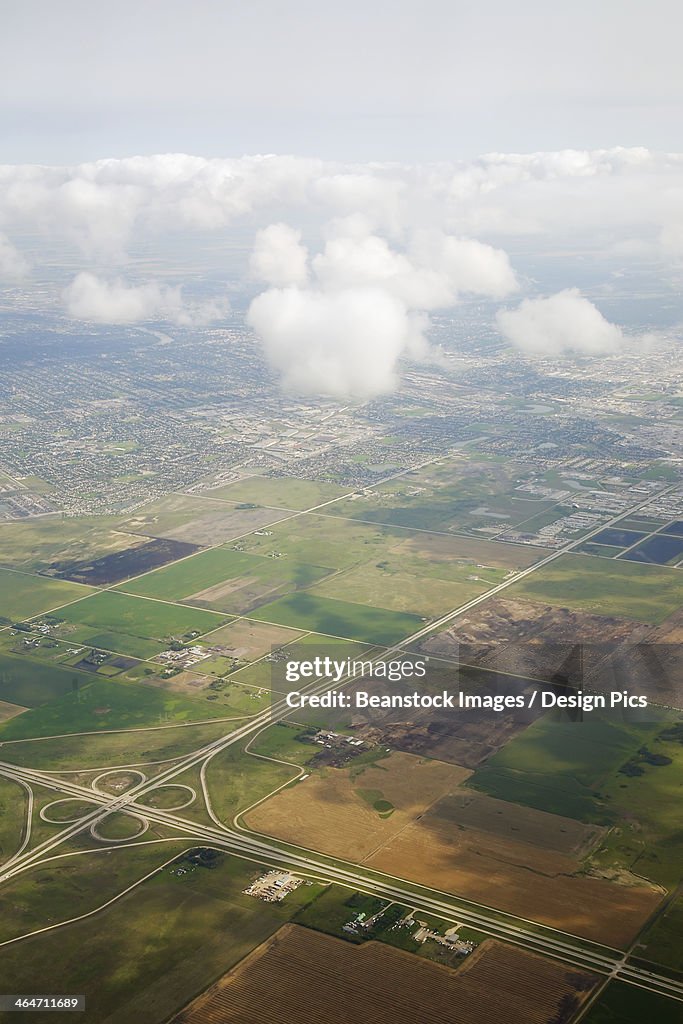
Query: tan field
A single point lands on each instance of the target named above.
(303, 977)
(8, 710)
(499, 854)
(438, 547)
(249, 639)
(518, 878)
(333, 812)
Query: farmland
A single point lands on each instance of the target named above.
(135, 617)
(339, 618)
(646, 593)
(40, 543)
(22, 596)
(28, 682)
(171, 938)
(195, 520)
(105, 704)
(280, 492)
(336, 812)
(288, 974)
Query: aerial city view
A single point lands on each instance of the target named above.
(341, 513)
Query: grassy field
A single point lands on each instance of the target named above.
(22, 596)
(137, 617)
(28, 682)
(624, 1004)
(340, 618)
(560, 766)
(100, 704)
(91, 752)
(157, 947)
(236, 780)
(662, 942)
(198, 520)
(388, 587)
(191, 574)
(281, 492)
(12, 813)
(38, 543)
(647, 593)
(226, 579)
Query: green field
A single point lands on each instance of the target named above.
(340, 618)
(236, 780)
(647, 593)
(560, 766)
(388, 587)
(155, 948)
(281, 492)
(624, 1004)
(662, 942)
(91, 752)
(30, 683)
(22, 596)
(255, 579)
(105, 704)
(13, 805)
(137, 617)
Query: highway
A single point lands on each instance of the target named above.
(535, 938)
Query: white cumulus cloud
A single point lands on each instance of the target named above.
(566, 322)
(278, 257)
(13, 266)
(345, 343)
(366, 306)
(93, 298)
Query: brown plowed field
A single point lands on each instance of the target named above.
(303, 977)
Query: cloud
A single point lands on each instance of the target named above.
(562, 323)
(278, 257)
(345, 343)
(92, 298)
(100, 206)
(365, 308)
(13, 266)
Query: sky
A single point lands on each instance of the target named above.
(375, 163)
(406, 80)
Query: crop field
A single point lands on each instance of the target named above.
(646, 593)
(120, 565)
(137, 617)
(8, 710)
(170, 938)
(662, 942)
(194, 520)
(227, 580)
(30, 683)
(42, 542)
(323, 540)
(280, 492)
(22, 596)
(516, 877)
(560, 766)
(350, 812)
(624, 1004)
(339, 618)
(105, 704)
(285, 979)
